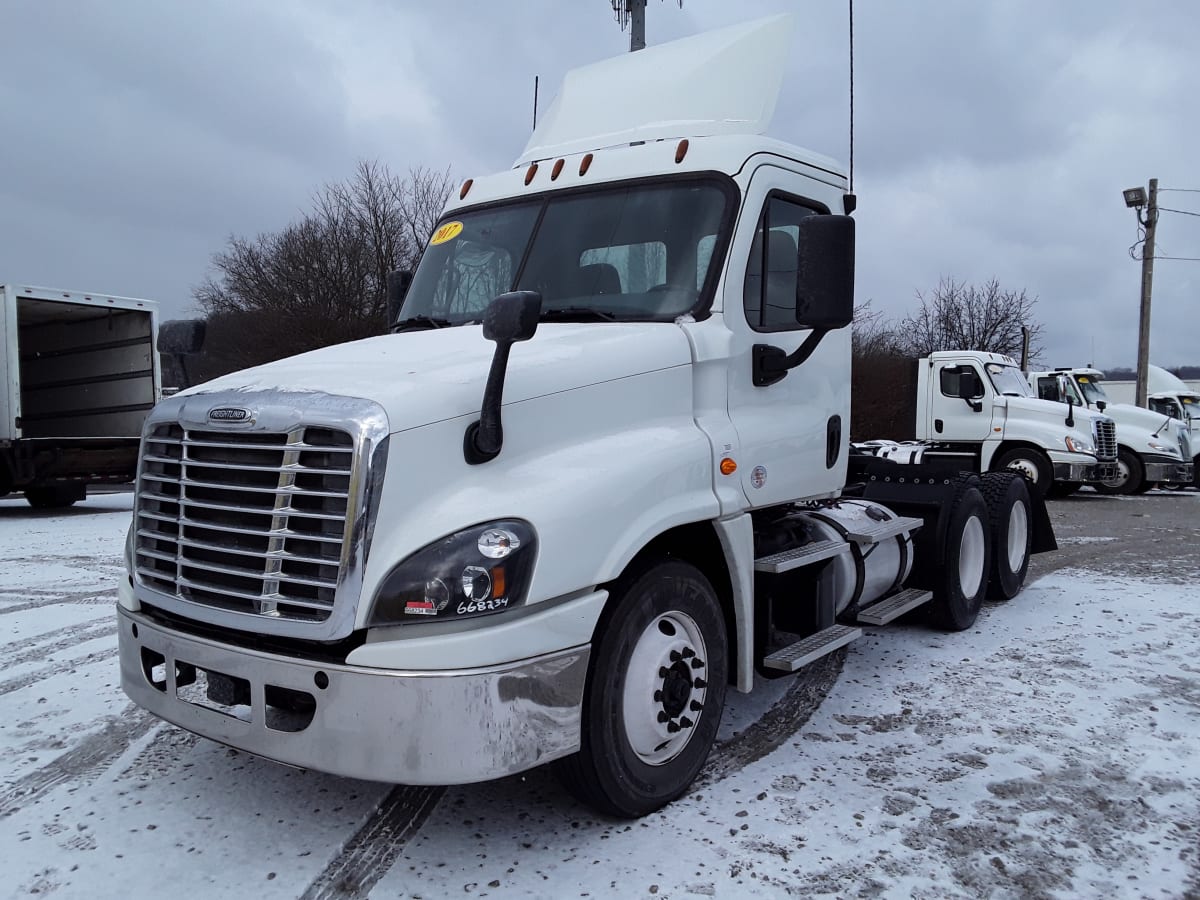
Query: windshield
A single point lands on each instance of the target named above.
(1007, 380)
(637, 252)
(1092, 389)
(1191, 406)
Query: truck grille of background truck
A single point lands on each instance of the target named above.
(249, 522)
(1106, 440)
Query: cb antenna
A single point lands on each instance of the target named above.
(850, 202)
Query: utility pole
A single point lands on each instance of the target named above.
(1143, 361)
(637, 24)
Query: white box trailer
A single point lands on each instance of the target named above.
(81, 375)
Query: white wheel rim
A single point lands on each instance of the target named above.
(1026, 467)
(971, 553)
(1018, 536)
(665, 689)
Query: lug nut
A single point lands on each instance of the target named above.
(672, 727)
(663, 671)
(699, 683)
(685, 722)
(662, 716)
(697, 663)
(675, 656)
(696, 706)
(658, 696)
(688, 652)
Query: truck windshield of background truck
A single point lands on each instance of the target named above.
(1007, 380)
(641, 252)
(1093, 390)
(1191, 406)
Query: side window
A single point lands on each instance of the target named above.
(770, 289)
(1047, 388)
(949, 378)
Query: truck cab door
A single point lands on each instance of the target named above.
(793, 434)
(955, 417)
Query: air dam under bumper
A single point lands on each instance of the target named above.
(1089, 472)
(401, 727)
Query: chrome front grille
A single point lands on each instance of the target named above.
(1106, 439)
(245, 521)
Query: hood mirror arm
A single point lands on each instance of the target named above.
(508, 319)
(1070, 411)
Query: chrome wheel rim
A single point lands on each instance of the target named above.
(1018, 536)
(971, 555)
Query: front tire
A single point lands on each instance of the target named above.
(1033, 464)
(1011, 525)
(655, 692)
(55, 496)
(1131, 475)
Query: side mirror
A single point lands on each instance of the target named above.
(969, 386)
(181, 337)
(508, 319)
(398, 283)
(825, 272)
(1101, 405)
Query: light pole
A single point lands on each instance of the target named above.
(1136, 198)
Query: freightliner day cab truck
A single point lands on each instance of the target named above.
(1152, 448)
(1170, 396)
(557, 524)
(81, 375)
(977, 408)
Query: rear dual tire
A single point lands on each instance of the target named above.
(960, 583)
(1010, 511)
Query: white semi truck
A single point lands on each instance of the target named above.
(556, 524)
(976, 410)
(81, 375)
(1152, 448)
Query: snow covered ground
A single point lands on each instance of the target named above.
(1052, 750)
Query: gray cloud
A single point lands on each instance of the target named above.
(991, 140)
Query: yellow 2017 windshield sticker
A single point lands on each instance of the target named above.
(447, 232)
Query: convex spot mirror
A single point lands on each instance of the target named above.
(825, 272)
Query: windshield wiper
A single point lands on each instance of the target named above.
(576, 314)
(420, 322)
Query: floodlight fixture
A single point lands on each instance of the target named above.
(1135, 197)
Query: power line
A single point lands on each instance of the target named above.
(1181, 190)
(1182, 212)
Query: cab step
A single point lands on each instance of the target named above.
(797, 557)
(881, 531)
(812, 648)
(891, 608)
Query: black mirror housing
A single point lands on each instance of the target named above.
(181, 337)
(398, 283)
(969, 386)
(512, 317)
(825, 272)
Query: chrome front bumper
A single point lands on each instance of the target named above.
(446, 727)
(1170, 472)
(1085, 472)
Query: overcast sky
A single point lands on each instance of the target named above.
(992, 139)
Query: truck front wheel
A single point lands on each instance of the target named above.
(1033, 464)
(54, 496)
(656, 689)
(1130, 475)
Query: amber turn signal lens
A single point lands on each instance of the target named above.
(681, 151)
(462, 195)
(585, 164)
(728, 466)
(498, 585)
(530, 172)
(556, 171)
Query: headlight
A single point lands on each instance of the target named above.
(1077, 446)
(481, 570)
(1164, 448)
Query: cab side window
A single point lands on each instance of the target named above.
(769, 293)
(1047, 388)
(949, 379)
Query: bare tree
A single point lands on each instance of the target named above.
(959, 316)
(321, 280)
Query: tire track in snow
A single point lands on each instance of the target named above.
(370, 852)
(23, 681)
(88, 597)
(81, 763)
(34, 648)
(776, 725)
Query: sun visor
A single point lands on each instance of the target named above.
(720, 82)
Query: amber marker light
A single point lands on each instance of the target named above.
(681, 151)
(498, 585)
(728, 466)
(556, 171)
(466, 188)
(585, 164)
(530, 172)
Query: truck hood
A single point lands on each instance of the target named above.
(421, 377)
(1126, 415)
(1053, 412)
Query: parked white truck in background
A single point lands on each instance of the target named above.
(554, 525)
(81, 375)
(1152, 448)
(977, 409)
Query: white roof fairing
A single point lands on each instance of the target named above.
(719, 82)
